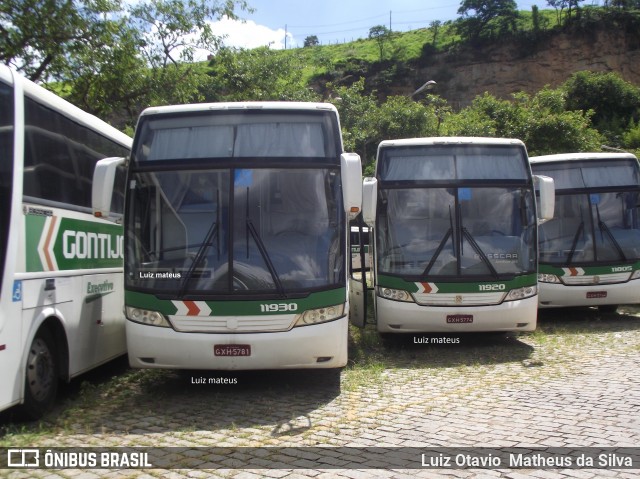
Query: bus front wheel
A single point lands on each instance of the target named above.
(41, 376)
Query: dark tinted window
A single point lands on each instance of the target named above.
(6, 167)
(590, 174)
(60, 156)
(452, 162)
(248, 134)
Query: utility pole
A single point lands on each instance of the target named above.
(285, 36)
(390, 29)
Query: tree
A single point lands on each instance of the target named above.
(40, 37)
(401, 117)
(540, 121)
(357, 113)
(311, 41)
(480, 16)
(435, 28)
(366, 122)
(564, 5)
(614, 102)
(380, 34)
(257, 74)
(114, 57)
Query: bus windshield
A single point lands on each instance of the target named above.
(597, 217)
(455, 211)
(251, 226)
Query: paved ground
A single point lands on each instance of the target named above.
(574, 385)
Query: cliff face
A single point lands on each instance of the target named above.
(505, 69)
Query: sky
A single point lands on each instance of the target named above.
(279, 22)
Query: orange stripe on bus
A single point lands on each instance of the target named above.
(48, 242)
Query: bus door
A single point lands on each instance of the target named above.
(358, 272)
(361, 271)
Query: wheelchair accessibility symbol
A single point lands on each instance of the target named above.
(17, 291)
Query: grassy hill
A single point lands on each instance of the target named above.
(399, 62)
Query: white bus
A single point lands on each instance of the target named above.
(61, 288)
(590, 251)
(236, 236)
(454, 235)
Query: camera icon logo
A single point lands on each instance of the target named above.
(23, 458)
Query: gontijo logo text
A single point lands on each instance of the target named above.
(83, 245)
(66, 243)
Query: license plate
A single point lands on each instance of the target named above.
(232, 350)
(459, 318)
(596, 294)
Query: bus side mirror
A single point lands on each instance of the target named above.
(546, 206)
(351, 172)
(369, 200)
(103, 180)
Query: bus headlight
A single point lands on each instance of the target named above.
(395, 294)
(636, 274)
(320, 315)
(522, 293)
(548, 278)
(144, 316)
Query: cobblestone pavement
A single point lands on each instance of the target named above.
(575, 384)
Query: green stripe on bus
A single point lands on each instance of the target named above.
(56, 243)
(34, 225)
(589, 270)
(239, 307)
(459, 286)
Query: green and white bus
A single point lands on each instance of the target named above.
(236, 237)
(61, 286)
(454, 236)
(590, 251)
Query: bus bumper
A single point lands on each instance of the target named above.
(553, 295)
(316, 346)
(401, 317)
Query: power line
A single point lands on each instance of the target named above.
(382, 15)
(339, 23)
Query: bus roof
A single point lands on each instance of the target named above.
(450, 140)
(53, 101)
(580, 156)
(236, 106)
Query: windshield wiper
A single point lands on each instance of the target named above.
(576, 237)
(483, 256)
(441, 246)
(604, 228)
(200, 255)
(202, 250)
(439, 249)
(263, 250)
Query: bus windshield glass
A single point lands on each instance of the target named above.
(216, 209)
(238, 134)
(453, 162)
(597, 217)
(432, 224)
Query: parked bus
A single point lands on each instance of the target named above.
(590, 251)
(61, 287)
(454, 236)
(236, 237)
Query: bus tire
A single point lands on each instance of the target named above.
(41, 376)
